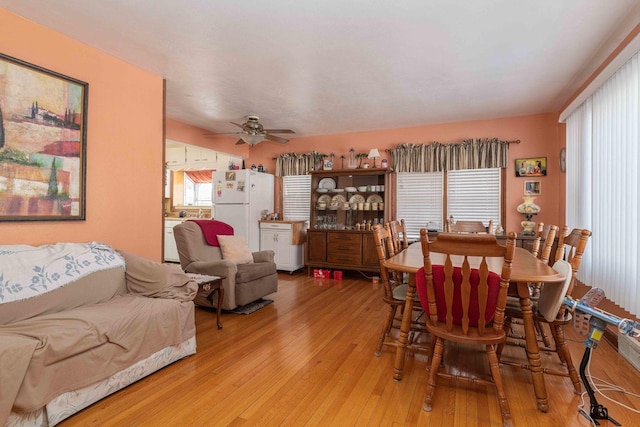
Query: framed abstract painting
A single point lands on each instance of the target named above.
(43, 143)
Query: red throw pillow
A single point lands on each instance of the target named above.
(438, 284)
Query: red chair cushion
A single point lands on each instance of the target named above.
(438, 284)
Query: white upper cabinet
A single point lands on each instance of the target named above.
(197, 157)
(175, 156)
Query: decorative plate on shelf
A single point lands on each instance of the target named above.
(327, 183)
(339, 199)
(338, 190)
(374, 198)
(356, 198)
(322, 190)
(325, 198)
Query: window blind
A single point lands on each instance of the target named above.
(296, 190)
(603, 140)
(474, 195)
(419, 200)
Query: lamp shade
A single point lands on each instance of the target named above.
(374, 154)
(252, 139)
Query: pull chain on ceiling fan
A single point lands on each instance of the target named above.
(253, 132)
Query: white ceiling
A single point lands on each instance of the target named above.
(333, 66)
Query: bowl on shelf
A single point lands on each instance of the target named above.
(350, 189)
(322, 190)
(362, 188)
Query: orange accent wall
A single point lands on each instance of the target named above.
(539, 135)
(192, 135)
(124, 144)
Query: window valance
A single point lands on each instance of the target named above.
(436, 157)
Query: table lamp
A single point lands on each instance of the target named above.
(374, 154)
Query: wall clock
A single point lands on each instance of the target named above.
(563, 159)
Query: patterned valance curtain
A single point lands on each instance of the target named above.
(436, 157)
(296, 164)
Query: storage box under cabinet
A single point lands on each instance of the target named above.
(286, 239)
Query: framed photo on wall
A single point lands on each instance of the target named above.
(535, 166)
(43, 128)
(532, 188)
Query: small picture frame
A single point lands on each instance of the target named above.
(230, 176)
(327, 165)
(532, 188)
(535, 166)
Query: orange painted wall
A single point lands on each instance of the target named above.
(182, 132)
(539, 135)
(124, 143)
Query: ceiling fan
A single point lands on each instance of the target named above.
(253, 132)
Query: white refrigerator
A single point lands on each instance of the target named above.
(239, 198)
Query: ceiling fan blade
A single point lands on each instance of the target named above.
(279, 131)
(221, 133)
(276, 138)
(240, 141)
(237, 124)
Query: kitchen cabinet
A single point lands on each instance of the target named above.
(286, 239)
(170, 247)
(201, 158)
(345, 204)
(175, 156)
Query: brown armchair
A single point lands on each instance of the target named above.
(243, 283)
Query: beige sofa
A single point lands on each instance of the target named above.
(81, 321)
(242, 284)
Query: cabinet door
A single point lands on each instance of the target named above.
(170, 247)
(268, 241)
(175, 156)
(316, 246)
(369, 251)
(283, 249)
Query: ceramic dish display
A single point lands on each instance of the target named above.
(374, 198)
(350, 189)
(327, 183)
(338, 190)
(339, 199)
(326, 199)
(356, 198)
(362, 188)
(322, 190)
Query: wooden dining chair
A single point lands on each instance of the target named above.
(466, 227)
(395, 292)
(548, 233)
(549, 307)
(398, 234)
(465, 302)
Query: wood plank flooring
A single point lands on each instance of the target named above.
(308, 360)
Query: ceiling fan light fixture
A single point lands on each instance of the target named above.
(252, 139)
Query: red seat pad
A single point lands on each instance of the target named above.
(438, 284)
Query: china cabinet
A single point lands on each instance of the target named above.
(345, 205)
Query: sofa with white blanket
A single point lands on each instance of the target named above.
(79, 321)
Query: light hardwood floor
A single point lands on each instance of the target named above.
(308, 359)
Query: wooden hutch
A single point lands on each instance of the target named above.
(345, 204)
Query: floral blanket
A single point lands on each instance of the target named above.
(27, 271)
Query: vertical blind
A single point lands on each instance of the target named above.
(603, 184)
(296, 191)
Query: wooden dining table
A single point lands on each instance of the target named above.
(525, 268)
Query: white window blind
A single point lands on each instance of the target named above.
(474, 195)
(296, 197)
(419, 200)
